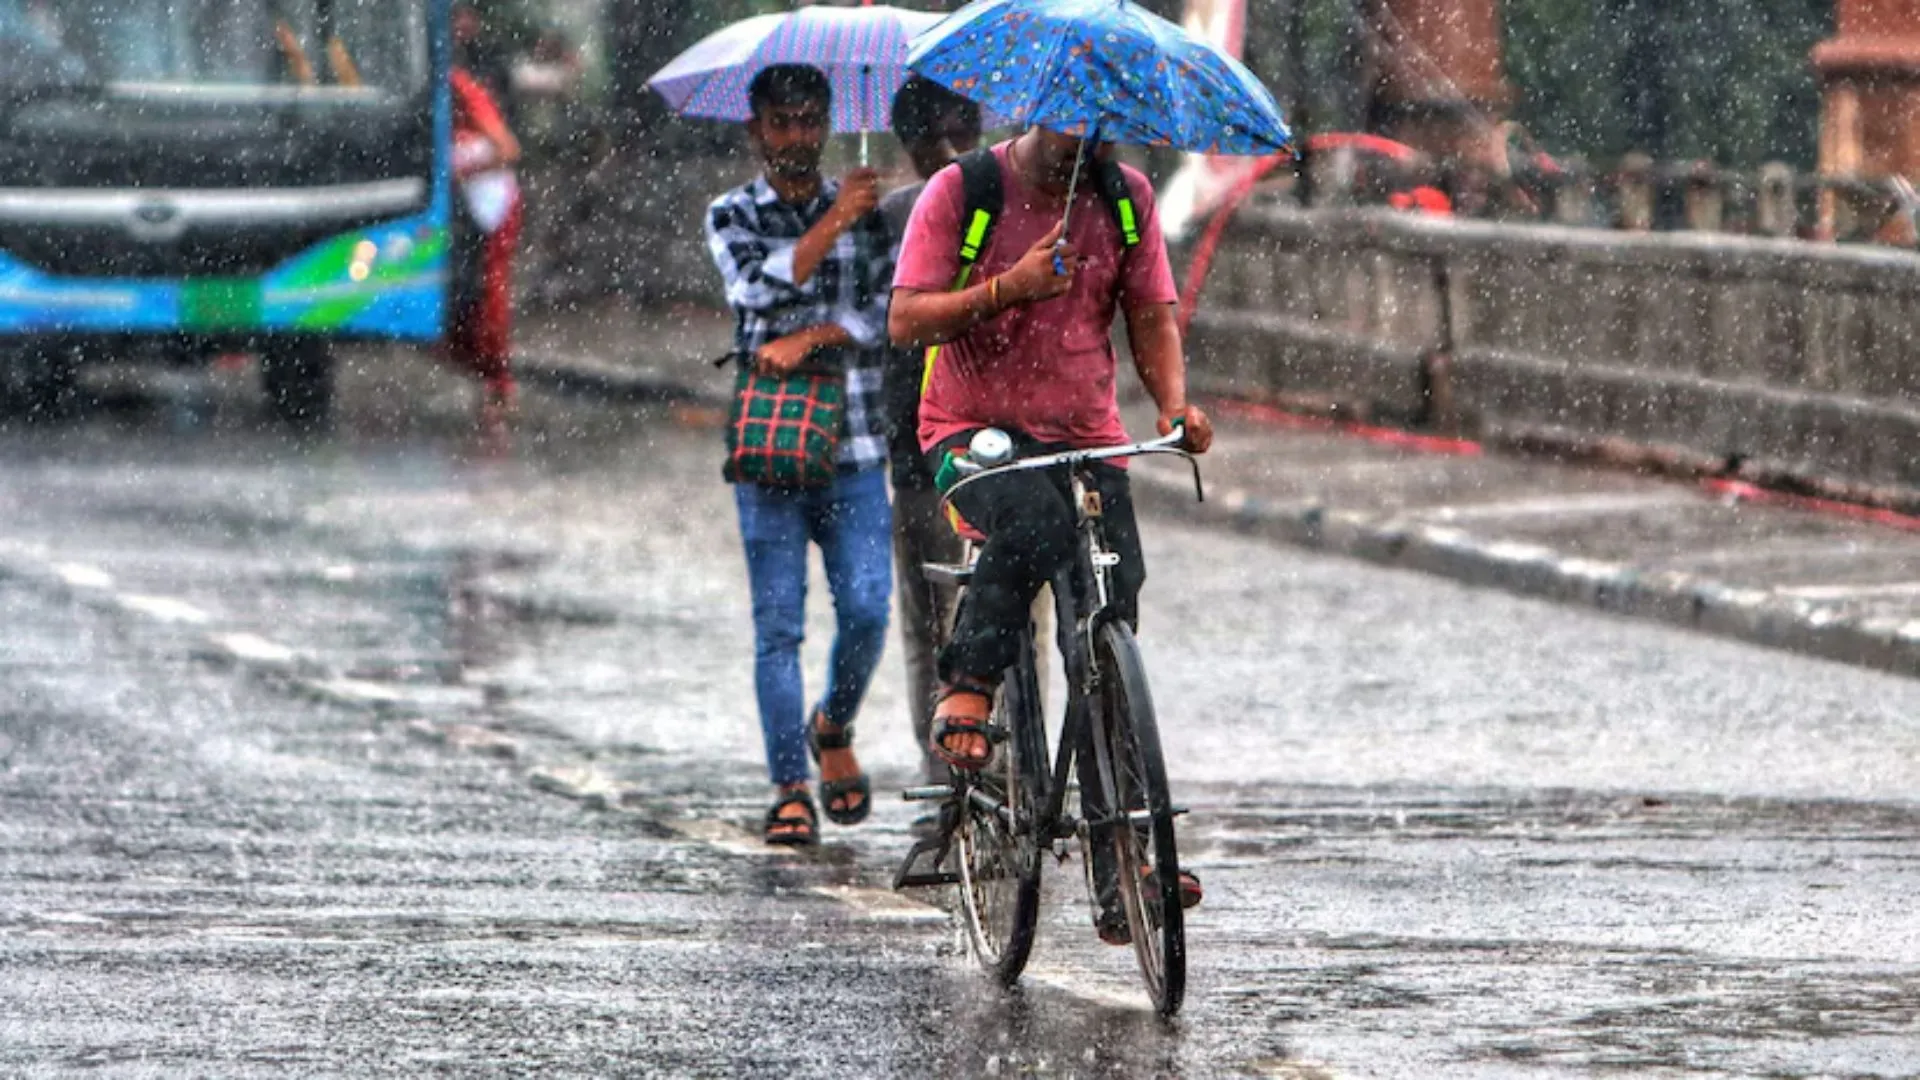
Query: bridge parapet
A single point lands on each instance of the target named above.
(1773, 355)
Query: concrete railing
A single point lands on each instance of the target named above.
(1780, 357)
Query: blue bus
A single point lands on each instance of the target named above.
(184, 178)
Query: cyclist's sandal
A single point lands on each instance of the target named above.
(792, 830)
(960, 720)
(1111, 923)
(838, 795)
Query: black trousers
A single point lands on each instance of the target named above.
(1028, 521)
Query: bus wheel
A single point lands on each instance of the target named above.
(38, 384)
(298, 379)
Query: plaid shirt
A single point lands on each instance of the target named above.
(752, 235)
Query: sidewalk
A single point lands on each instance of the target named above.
(1819, 580)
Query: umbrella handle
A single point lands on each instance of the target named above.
(865, 71)
(1073, 182)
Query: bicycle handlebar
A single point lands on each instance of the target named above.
(1165, 444)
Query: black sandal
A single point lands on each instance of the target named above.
(945, 727)
(839, 791)
(793, 831)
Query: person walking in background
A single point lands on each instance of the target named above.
(934, 126)
(486, 235)
(807, 266)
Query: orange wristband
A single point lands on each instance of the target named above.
(993, 292)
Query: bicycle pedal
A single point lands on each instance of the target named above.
(917, 871)
(930, 793)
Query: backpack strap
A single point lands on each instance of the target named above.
(983, 196)
(980, 182)
(1112, 185)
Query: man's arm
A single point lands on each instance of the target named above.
(756, 270)
(781, 355)
(1153, 331)
(859, 194)
(918, 318)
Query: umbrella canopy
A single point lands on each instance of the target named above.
(863, 51)
(1106, 66)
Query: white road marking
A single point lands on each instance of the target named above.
(1850, 592)
(82, 576)
(349, 691)
(1075, 983)
(1294, 1070)
(881, 905)
(585, 783)
(253, 648)
(727, 837)
(164, 608)
(1619, 502)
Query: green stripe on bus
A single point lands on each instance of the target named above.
(220, 304)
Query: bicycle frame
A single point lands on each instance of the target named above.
(1089, 577)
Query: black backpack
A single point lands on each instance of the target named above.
(985, 196)
(980, 181)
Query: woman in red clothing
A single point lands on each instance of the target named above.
(481, 320)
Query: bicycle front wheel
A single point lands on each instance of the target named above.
(998, 839)
(1132, 775)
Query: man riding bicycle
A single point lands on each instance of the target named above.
(1022, 328)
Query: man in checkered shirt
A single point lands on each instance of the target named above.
(808, 270)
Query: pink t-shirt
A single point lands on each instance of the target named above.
(1046, 369)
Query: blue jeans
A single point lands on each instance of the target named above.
(853, 525)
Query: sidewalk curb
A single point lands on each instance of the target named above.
(1752, 615)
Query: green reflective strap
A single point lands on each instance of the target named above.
(976, 235)
(1129, 227)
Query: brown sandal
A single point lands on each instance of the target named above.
(792, 830)
(963, 720)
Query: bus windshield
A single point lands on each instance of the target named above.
(231, 50)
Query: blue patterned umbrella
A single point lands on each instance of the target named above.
(1105, 69)
(863, 51)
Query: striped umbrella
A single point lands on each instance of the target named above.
(863, 51)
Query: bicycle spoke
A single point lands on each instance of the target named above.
(998, 852)
(1140, 813)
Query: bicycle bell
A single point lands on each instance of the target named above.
(990, 447)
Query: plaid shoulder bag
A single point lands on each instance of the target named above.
(784, 430)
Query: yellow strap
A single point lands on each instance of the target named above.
(933, 351)
(1129, 228)
(976, 233)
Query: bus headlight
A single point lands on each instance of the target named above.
(364, 253)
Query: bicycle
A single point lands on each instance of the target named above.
(1001, 820)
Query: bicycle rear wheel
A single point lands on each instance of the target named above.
(1132, 775)
(998, 841)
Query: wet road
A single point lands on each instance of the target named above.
(408, 751)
